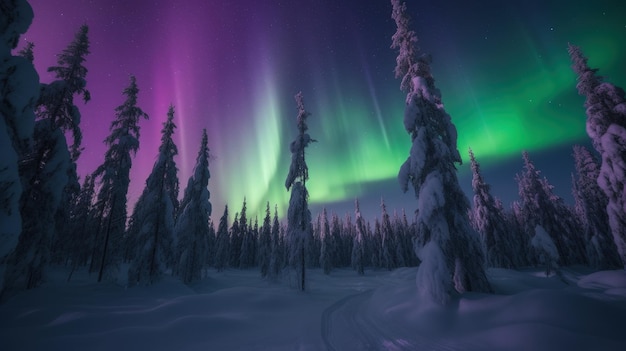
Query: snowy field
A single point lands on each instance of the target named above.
(237, 310)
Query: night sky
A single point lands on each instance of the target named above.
(233, 67)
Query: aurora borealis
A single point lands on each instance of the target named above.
(233, 67)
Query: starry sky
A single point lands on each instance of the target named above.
(233, 68)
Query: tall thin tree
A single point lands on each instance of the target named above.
(153, 217)
(489, 222)
(605, 106)
(451, 257)
(113, 177)
(299, 228)
(192, 224)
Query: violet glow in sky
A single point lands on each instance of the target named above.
(233, 67)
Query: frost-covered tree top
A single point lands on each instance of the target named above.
(70, 63)
(405, 40)
(124, 138)
(57, 98)
(433, 134)
(605, 102)
(299, 169)
(167, 170)
(125, 127)
(199, 181)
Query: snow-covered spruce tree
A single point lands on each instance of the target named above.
(605, 106)
(245, 253)
(192, 225)
(540, 206)
(277, 254)
(590, 209)
(451, 258)
(57, 98)
(153, 221)
(236, 236)
(342, 236)
(357, 260)
(47, 168)
(376, 247)
(346, 237)
(299, 228)
(253, 230)
(222, 243)
(265, 243)
(113, 178)
(19, 84)
(388, 246)
(398, 235)
(328, 245)
(490, 223)
(71, 72)
(235, 242)
(314, 246)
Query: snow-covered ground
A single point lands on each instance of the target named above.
(237, 310)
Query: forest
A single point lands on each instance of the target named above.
(50, 217)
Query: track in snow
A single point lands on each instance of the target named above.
(348, 325)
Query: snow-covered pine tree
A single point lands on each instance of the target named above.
(398, 235)
(342, 237)
(376, 247)
(346, 238)
(358, 243)
(48, 166)
(222, 243)
(245, 253)
(153, 221)
(299, 228)
(236, 238)
(605, 106)
(19, 84)
(57, 98)
(192, 225)
(254, 242)
(540, 206)
(113, 178)
(265, 243)
(277, 254)
(314, 246)
(388, 246)
(71, 72)
(328, 245)
(590, 208)
(489, 222)
(451, 258)
(239, 232)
